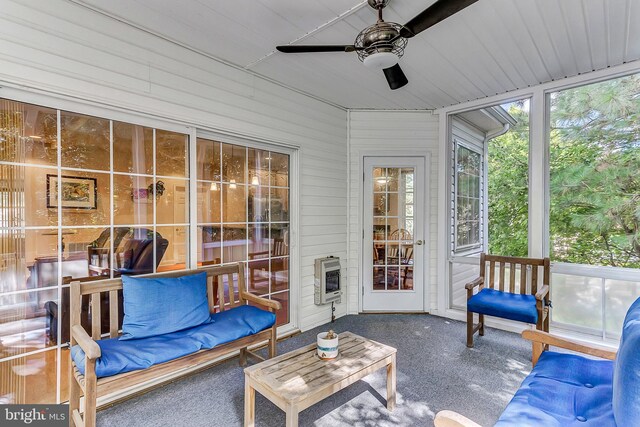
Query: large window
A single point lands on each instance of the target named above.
(243, 215)
(81, 197)
(594, 215)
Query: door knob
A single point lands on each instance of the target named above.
(419, 242)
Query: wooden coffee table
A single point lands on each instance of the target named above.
(296, 380)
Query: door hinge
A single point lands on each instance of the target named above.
(362, 290)
(362, 176)
(363, 233)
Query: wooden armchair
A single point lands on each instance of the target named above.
(526, 302)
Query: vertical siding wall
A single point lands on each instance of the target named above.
(388, 131)
(63, 48)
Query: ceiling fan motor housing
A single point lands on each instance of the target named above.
(380, 45)
(378, 4)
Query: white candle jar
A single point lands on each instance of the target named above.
(327, 348)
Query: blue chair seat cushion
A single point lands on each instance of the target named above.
(505, 305)
(119, 356)
(563, 390)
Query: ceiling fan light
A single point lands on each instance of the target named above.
(380, 60)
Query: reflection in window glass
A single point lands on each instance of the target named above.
(115, 219)
(243, 214)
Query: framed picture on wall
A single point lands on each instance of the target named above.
(76, 192)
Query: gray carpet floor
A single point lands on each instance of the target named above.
(435, 371)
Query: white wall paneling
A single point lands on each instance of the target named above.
(388, 133)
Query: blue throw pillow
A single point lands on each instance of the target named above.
(161, 306)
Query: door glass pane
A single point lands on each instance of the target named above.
(392, 228)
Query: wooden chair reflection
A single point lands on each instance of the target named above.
(277, 260)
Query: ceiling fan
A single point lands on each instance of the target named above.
(382, 44)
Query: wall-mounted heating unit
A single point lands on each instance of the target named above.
(327, 280)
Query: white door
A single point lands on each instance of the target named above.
(393, 239)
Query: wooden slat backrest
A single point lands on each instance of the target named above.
(514, 263)
(96, 289)
(230, 295)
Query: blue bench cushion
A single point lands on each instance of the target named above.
(563, 390)
(119, 356)
(158, 306)
(504, 304)
(626, 376)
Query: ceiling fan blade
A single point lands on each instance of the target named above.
(395, 77)
(439, 11)
(315, 48)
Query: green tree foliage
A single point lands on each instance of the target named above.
(508, 186)
(594, 164)
(594, 177)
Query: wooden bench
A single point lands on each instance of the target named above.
(92, 387)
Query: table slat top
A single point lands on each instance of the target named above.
(296, 374)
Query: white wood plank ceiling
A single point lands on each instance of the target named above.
(492, 47)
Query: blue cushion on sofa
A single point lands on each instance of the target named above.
(157, 306)
(563, 390)
(626, 376)
(123, 356)
(504, 304)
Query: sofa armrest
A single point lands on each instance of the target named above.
(542, 292)
(453, 419)
(540, 339)
(87, 344)
(269, 303)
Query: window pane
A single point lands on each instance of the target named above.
(594, 163)
(234, 199)
(26, 321)
(258, 162)
(172, 207)
(282, 316)
(87, 189)
(234, 160)
(29, 379)
(258, 203)
(209, 243)
(279, 169)
(234, 242)
(132, 148)
(209, 202)
(577, 301)
(85, 141)
(28, 133)
(171, 247)
(171, 153)
(133, 199)
(279, 204)
(208, 160)
(25, 196)
(619, 295)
